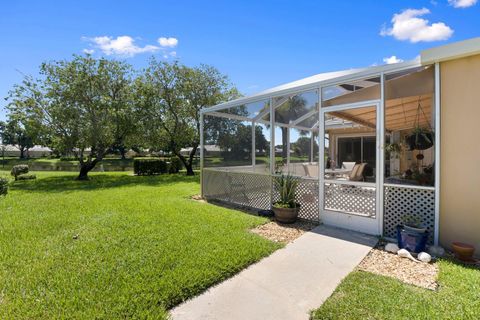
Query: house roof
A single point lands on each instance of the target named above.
(451, 51)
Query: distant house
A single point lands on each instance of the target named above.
(210, 150)
(34, 152)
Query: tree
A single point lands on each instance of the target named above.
(237, 144)
(77, 104)
(169, 99)
(17, 133)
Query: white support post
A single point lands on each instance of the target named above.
(321, 155)
(288, 150)
(272, 137)
(201, 154)
(381, 162)
(253, 146)
(312, 139)
(437, 151)
(272, 148)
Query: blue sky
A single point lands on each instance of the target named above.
(259, 44)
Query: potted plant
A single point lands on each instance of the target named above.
(286, 208)
(393, 150)
(420, 139)
(411, 234)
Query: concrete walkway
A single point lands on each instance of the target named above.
(287, 284)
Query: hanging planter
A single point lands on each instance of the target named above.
(420, 139)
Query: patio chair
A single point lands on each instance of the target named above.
(348, 165)
(357, 172)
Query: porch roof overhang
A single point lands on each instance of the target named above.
(316, 81)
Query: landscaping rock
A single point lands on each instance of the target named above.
(436, 251)
(284, 233)
(391, 247)
(391, 265)
(424, 257)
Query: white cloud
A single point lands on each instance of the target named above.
(88, 51)
(462, 3)
(407, 25)
(392, 59)
(121, 46)
(168, 42)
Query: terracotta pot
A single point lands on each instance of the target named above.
(463, 251)
(286, 215)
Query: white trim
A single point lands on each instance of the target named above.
(361, 74)
(352, 183)
(408, 186)
(437, 150)
(451, 51)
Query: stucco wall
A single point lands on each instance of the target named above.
(460, 152)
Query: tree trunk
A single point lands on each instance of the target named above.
(188, 164)
(22, 153)
(123, 152)
(85, 168)
(284, 144)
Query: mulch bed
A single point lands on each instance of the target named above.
(284, 233)
(274, 231)
(384, 263)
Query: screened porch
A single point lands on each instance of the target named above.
(349, 137)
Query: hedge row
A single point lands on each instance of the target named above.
(147, 167)
(3, 186)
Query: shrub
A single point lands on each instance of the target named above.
(175, 165)
(149, 167)
(26, 176)
(18, 170)
(3, 186)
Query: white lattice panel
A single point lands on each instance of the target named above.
(307, 196)
(350, 199)
(241, 188)
(400, 201)
(253, 190)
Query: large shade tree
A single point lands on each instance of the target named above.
(78, 104)
(169, 97)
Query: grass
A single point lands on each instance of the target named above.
(117, 246)
(363, 295)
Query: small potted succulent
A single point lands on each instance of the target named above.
(286, 208)
(411, 234)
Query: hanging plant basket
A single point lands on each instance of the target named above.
(422, 136)
(421, 140)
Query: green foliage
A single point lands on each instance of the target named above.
(237, 142)
(3, 186)
(169, 97)
(26, 176)
(175, 165)
(84, 103)
(116, 246)
(18, 131)
(18, 170)
(147, 167)
(286, 185)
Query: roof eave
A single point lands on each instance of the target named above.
(371, 71)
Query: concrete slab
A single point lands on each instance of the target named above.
(287, 284)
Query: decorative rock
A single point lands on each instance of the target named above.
(424, 257)
(391, 247)
(405, 254)
(436, 251)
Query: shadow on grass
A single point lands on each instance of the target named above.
(65, 183)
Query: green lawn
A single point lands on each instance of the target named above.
(117, 246)
(363, 295)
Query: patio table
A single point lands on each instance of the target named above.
(337, 172)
